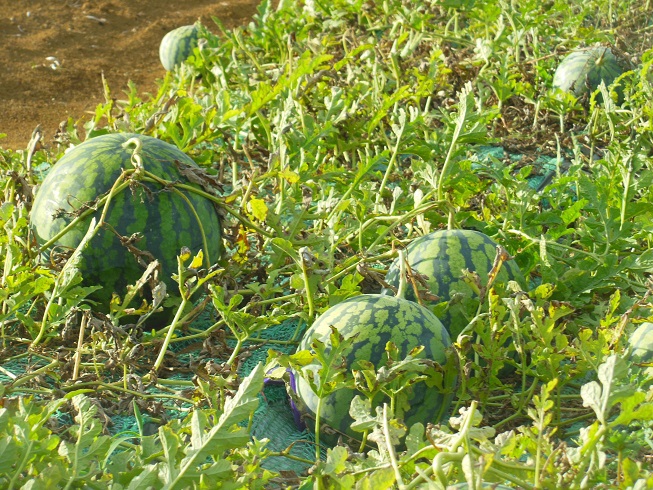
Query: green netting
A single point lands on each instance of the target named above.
(17, 367)
(273, 420)
(545, 167)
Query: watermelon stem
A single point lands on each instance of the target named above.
(371, 163)
(80, 342)
(65, 279)
(307, 285)
(461, 120)
(393, 157)
(136, 159)
(186, 295)
(318, 413)
(69, 270)
(391, 450)
(364, 260)
(363, 441)
(453, 454)
(131, 293)
(173, 186)
(398, 220)
(90, 210)
(166, 341)
(401, 289)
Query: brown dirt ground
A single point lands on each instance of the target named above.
(119, 38)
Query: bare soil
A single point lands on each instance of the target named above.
(53, 54)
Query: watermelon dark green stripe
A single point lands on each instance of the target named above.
(177, 45)
(588, 67)
(164, 218)
(377, 320)
(442, 256)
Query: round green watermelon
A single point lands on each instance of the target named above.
(165, 219)
(441, 257)
(641, 346)
(377, 320)
(177, 45)
(585, 69)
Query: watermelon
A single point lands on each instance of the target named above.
(177, 45)
(164, 218)
(585, 69)
(378, 319)
(641, 346)
(441, 256)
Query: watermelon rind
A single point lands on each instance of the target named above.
(167, 220)
(177, 45)
(586, 68)
(376, 320)
(641, 344)
(441, 256)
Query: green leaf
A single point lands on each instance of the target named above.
(361, 412)
(573, 212)
(286, 247)
(380, 479)
(147, 478)
(223, 435)
(89, 447)
(335, 462)
(9, 455)
(258, 208)
(171, 443)
(602, 397)
(289, 176)
(632, 409)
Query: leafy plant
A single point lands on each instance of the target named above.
(330, 135)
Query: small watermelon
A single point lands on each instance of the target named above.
(178, 45)
(586, 68)
(641, 345)
(167, 220)
(377, 320)
(441, 256)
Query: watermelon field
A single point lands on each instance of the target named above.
(351, 244)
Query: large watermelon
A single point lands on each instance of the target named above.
(377, 320)
(177, 45)
(164, 218)
(586, 68)
(441, 256)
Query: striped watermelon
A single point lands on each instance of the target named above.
(586, 68)
(641, 346)
(378, 319)
(178, 45)
(164, 218)
(441, 256)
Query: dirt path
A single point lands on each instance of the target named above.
(53, 52)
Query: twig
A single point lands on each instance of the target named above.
(78, 351)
